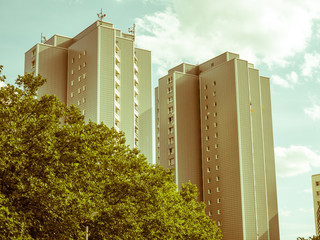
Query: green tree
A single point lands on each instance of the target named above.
(59, 175)
(309, 238)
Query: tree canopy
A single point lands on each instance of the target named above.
(59, 175)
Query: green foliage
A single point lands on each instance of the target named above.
(309, 238)
(59, 175)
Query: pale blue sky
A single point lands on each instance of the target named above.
(281, 37)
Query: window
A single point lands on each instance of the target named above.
(214, 93)
(171, 161)
(79, 78)
(72, 83)
(79, 67)
(214, 83)
(84, 76)
(317, 183)
(207, 138)
(212, 64)
(72, 60)
(170, 89)
(217, 167)
(208, 159)
(170, 99)
(209, 202)
(216, 145)
(169, 80)
(217, 156)
(218, 189)
(170, 140)
(205, 87)
(33, 63)
(79, 102)
(84, 100)
(219, 211)
(84, 87)
(214, 114)
(205, 107)
(318, 193)
(215, 124)
(170, 130)
(71, 94)
(208, 169)
(170, 110)
(206, 117)
(216, 135)
(171, 151)
(84, 52)
(208, 148)
(79, 90)
(219, 224)
(84, 64)
(218, 200)
(215, 104)
(209, 191)
(209, 213)
(84, 112)
(205, 97)
(170, 120)
(33, 52)
(209, 180)
(72, 72)
(207, 127)
(79, 55)
(218, 179)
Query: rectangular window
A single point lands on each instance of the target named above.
(218, 179)
(84, 87)
(84, 76)
(170, 120)
(84, 100)
(207, 127)
(318, 193)
(208, 148)
(208, 159)
(33, 63)
(214, 114)
(72, 83)
(209, 202)
(79, 90)
(219, 211)
(209, 191)
(170, 80)
(218, 200)
(216, 135)
(217, 167)
(219, 224)
(214, 83)
(206, 117)
(207, 138)
(215, 104)
(214, 93)
(170, 99)
(215, 124)
(205, 97)
(84, 64)
(33, 52)
(72, 60)
(79, 67)
(205, 107)
(317, 183)
(171, 161)
(170, 89)
(170, 130)
(170, 110)
(71, 94)
(218, 189)
(208, 169)
(217, 156)
(205, 87)
(84, 52)
(209, 180)
(72, 72)
(209, 213)
(171, 151)
(79, 102)
(83, 112)
(216, 145)
(170, 140)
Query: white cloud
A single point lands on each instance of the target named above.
(310, 67)
(313, 112)
(295, 160)
(288, 82)
(193, 31)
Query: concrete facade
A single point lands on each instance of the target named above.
(102, 73)
(221, 141)
(316, 201)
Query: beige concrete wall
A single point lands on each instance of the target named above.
(52, 65)
(217, 60)
(61, 41)
(258, 154)
(145, 103)
(316, 200)
(157, 124)
(269, 158)
(187, 123)
(88, 44)
(106, 73)
(221, 162)
(126, 89)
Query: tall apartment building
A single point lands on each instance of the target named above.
(214, 128)
(101, 72)
(316, 201)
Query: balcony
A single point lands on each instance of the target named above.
(136, 102)
(117, 58)
(117, 92)
(117, 128)
(136, 113)
(135, 59)
(117, 104)
(136, 69)
(136, 80)
(136, 90)
(117, 48)
(117, 117)
(116, 79)
(117, 69)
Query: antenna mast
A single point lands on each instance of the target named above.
(43, 38)
(132, 30)
(101, 15)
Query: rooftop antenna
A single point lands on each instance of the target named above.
(132, 30)
(101, 15)
(43, 38)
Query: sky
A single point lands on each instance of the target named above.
(280, 37)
